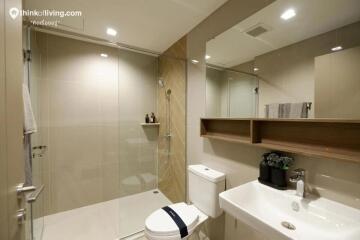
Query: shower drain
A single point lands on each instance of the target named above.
(288, 225)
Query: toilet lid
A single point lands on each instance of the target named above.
(161, 224)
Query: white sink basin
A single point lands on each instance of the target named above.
(265, 208)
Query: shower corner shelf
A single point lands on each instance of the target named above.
(150, 124)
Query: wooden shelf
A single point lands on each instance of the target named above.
(227, 130)
(150, 124)
(328, 138)
(228, 137)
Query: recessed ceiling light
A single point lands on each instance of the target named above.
(111, 31)
(207, 57)
(290, 13)
(194, 61)
(337, 48)
(104, 55)
(256, 69)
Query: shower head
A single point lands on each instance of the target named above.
(161, 83)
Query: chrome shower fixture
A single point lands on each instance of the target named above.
(161, 83)
(168, 92)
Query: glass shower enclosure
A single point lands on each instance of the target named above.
(94, 157)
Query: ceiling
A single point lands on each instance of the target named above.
(313, 17)
(148, 24)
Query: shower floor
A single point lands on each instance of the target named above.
(115, 219)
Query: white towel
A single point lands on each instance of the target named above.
(274, 110)
(29, 119)
(285, 110)
(298, 110)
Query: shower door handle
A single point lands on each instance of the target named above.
(20, 189)
(21, 215)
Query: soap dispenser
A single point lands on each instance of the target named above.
(300, 188)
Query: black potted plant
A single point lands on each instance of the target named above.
(279, 164)
(264, 169)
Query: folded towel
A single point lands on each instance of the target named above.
(298, 110)
(29, 119)
(272, 110)
(285, 110)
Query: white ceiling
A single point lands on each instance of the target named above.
(313, 17)
(149, 24)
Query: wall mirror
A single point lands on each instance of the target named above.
(292, 59)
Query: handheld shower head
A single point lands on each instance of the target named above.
(161, 83)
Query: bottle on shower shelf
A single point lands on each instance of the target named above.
(147, 119)
(152, 118)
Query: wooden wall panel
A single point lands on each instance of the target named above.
(171, 152)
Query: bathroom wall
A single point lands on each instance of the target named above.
(214, 88)
(286, 70)
(335, 179)
(171, 153)
(245, 67)
(237, 161)
(340, 71)
(90, 113)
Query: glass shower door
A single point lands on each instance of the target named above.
(137, 92)
(152, 157)
(38, 140)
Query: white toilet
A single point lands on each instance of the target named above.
(205, 184)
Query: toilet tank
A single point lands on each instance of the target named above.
(205, 184)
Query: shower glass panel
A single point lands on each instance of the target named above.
(152, 157)
(137, 93)
(100, 162)
(38, 139)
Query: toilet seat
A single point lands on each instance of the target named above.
(159, 225)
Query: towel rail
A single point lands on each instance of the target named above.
(281, 110)
(308, 105)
